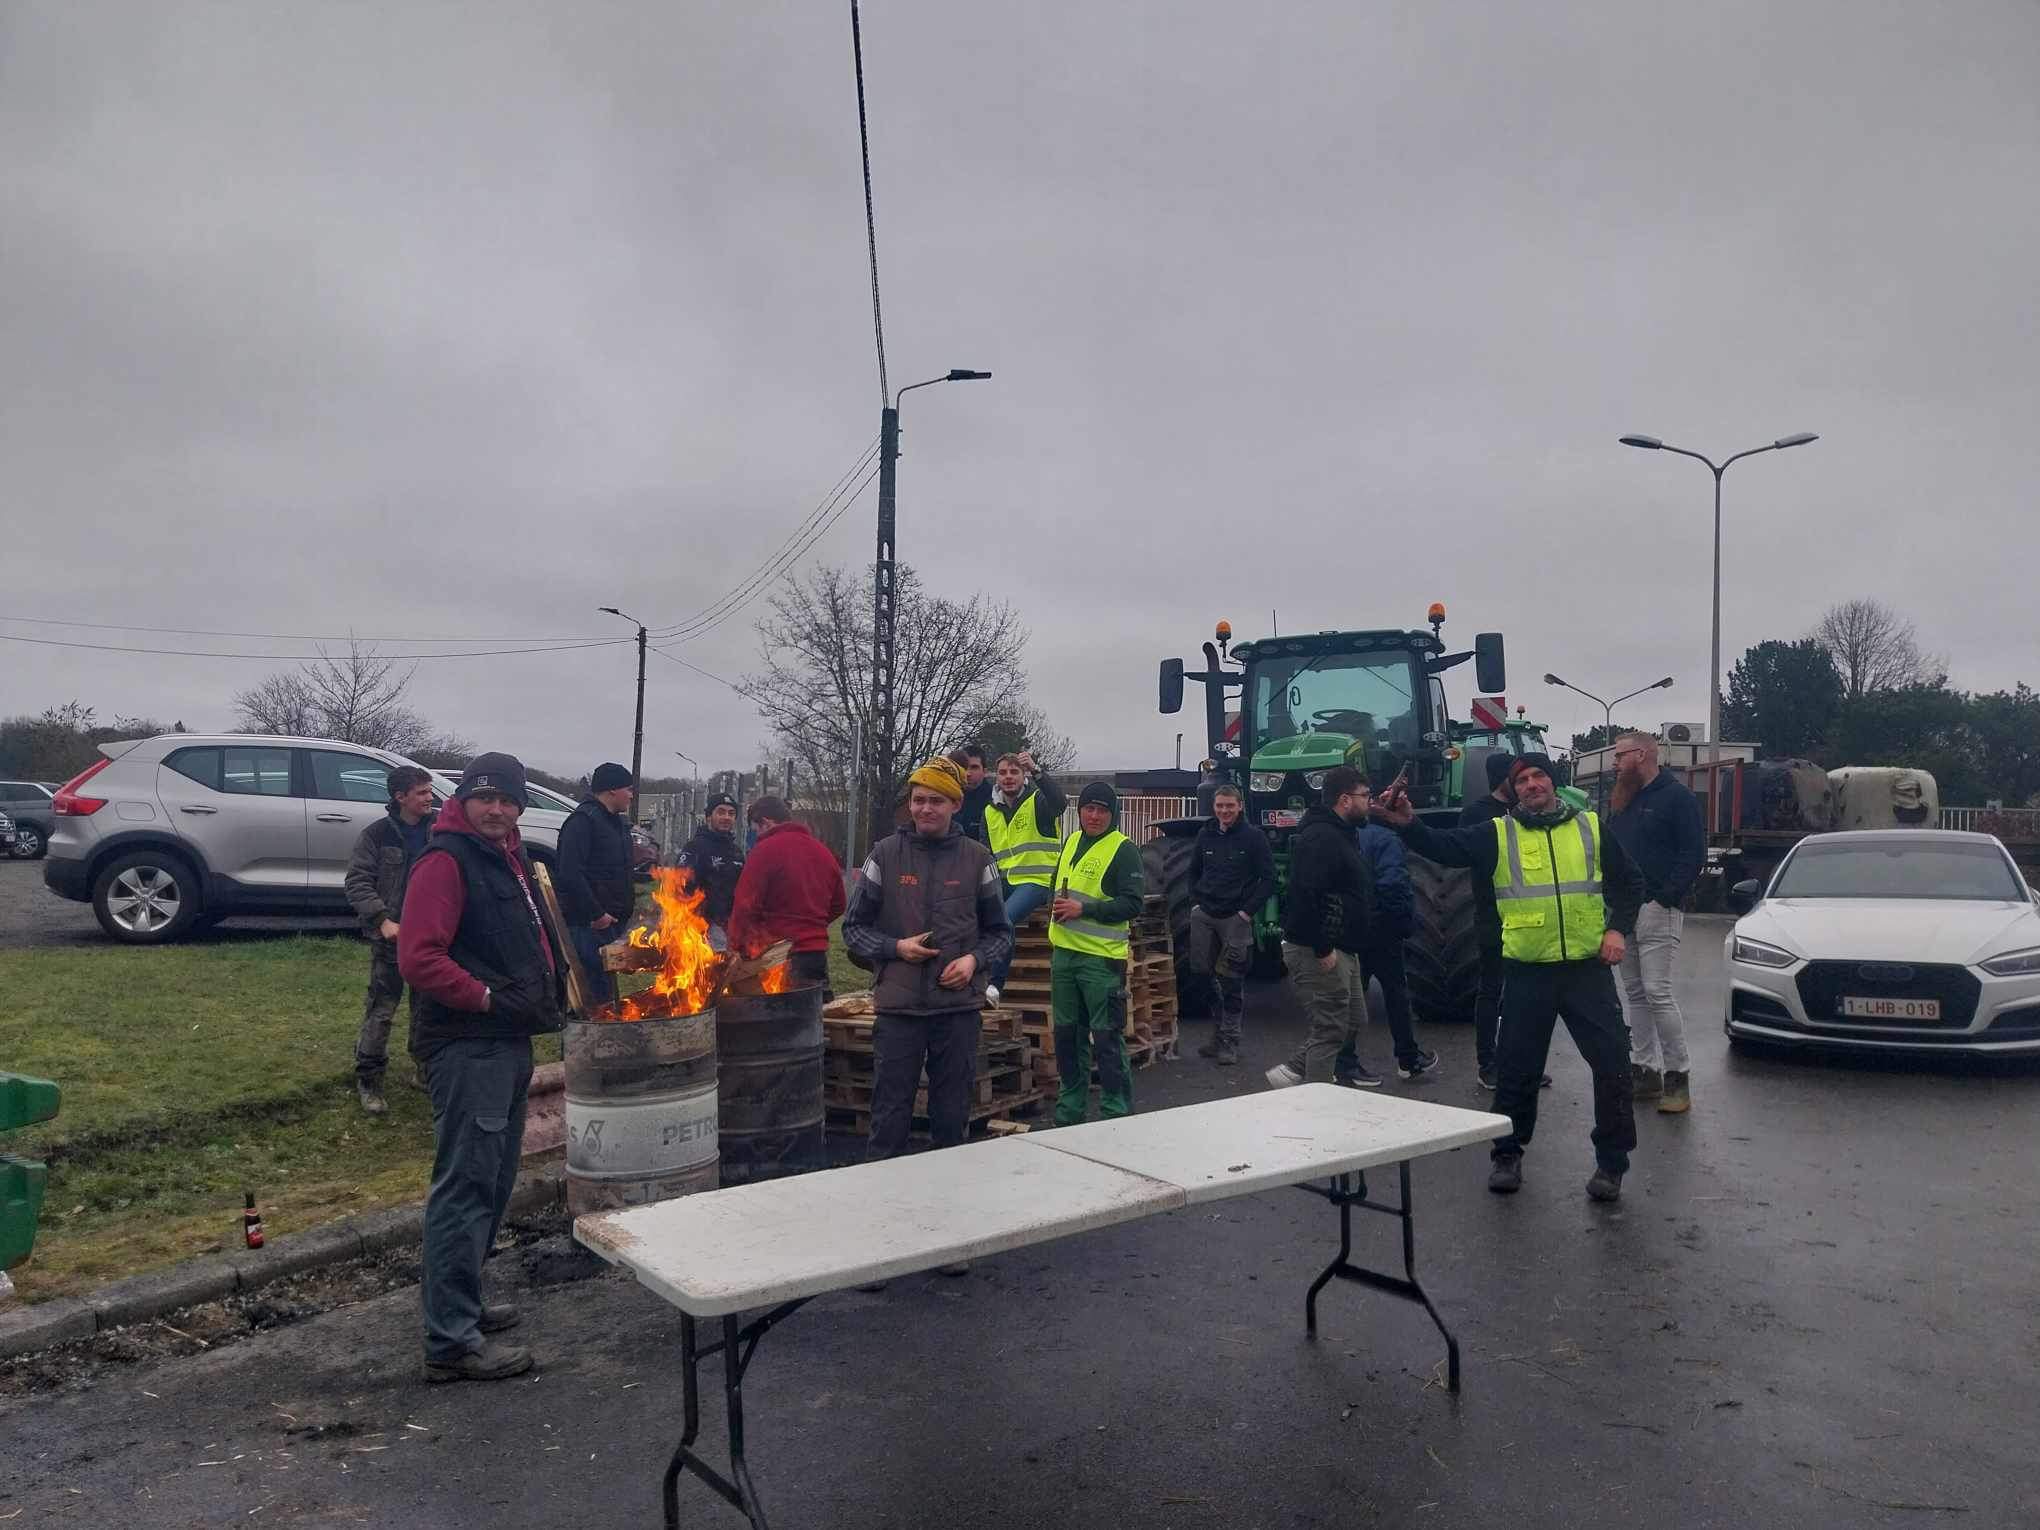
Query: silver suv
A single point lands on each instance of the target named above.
(172, 834)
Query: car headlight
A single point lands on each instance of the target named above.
(2014, 964)
(1315, 779)
(1265, 781)
(1756, 954)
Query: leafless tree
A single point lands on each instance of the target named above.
(959, 670)
(1875, 649)
(356, 697)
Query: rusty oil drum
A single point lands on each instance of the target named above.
(641, 1110)
(770, 1091)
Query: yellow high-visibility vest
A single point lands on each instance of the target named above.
(1548, 890)
(1087, 877)
(1018, 849)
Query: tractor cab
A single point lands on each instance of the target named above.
(1281, 711)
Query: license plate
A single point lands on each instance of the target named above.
(1893, 1009)
(1280, 818)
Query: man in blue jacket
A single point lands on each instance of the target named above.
(1658, 821)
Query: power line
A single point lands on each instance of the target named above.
(870, 219)
(296, 637)
(804, 536)
(287, 658)
(718, 679)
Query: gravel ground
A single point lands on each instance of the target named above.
(32, 915)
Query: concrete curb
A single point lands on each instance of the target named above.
(141, 1298)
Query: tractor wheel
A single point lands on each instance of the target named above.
(1168, 859)
(1443, 955)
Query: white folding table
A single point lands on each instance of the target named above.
(777, 1244)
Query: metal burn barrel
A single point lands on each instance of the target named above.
(770, 1099)
(641, 1110)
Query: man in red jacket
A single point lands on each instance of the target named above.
(791, 889)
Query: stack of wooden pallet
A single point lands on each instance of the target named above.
(1007, 1085)
(1150, 1000)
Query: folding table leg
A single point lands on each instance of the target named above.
(738, 1343)
(1406, 1286)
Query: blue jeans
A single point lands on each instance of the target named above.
(478, 1085)
(1022, 899)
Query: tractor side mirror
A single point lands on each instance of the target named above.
(1743, 896)
(1172, 685)
(1489, 669)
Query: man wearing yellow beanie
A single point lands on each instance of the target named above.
(927, 918)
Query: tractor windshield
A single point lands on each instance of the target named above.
(1308, 709)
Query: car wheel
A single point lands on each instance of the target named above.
(29, 843)
(146, 898)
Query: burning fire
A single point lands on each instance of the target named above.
(691, 968)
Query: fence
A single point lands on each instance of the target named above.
(1137, 815)
(2006, 823)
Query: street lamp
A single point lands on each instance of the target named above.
(637, 747)
(884, 594)
(1653, 444)
(693, 770)
(1608, 707)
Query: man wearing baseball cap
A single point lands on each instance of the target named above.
(473, 948)
(1568, 897)
(596, 895)
(715, 860)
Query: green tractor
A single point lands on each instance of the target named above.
(1281, 711)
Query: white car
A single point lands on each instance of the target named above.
(1896, 940)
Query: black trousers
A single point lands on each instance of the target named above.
(1487, 1003)
(1383, 962)
(947, 1045)
(812, 967)
(1535, 996)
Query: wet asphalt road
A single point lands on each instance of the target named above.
(1815, 1305)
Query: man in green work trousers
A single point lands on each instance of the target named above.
(1098, 890)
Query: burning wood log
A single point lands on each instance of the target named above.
(622, 956)
(746, 968)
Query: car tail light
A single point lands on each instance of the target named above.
(68, 804)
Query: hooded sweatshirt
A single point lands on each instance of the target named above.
(791, 889)
(1125, 884)
(435, 899)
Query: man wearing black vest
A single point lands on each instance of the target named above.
(473, 948)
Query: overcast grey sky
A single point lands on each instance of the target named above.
(463, 320)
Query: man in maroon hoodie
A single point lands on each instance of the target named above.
(473, 948)
(791, 889)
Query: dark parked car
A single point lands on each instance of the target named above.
(30, 804)
(6, 835)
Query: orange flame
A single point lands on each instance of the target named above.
(691, 967)
(776, 979)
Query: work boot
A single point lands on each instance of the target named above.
(1645, 1083)
(371, 1095)
(1677, 1098)
(1212, 1047)
(1605, 1186)
(1505, 1177)
(1227, 1055)
(492, 1362)
(497, 1316)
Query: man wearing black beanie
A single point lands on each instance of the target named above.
(595, 888)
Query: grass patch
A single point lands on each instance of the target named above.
(191, 1073)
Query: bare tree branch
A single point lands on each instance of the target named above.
(1874, 649)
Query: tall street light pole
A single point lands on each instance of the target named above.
(693, 770)
(1608, 707)
(637, 747)
(885, 598)
(1653, 444)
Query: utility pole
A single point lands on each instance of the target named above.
(883, 743)
(637, 748)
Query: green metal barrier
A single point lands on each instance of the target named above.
(23, 1102)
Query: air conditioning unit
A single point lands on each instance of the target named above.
(1684, 733)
